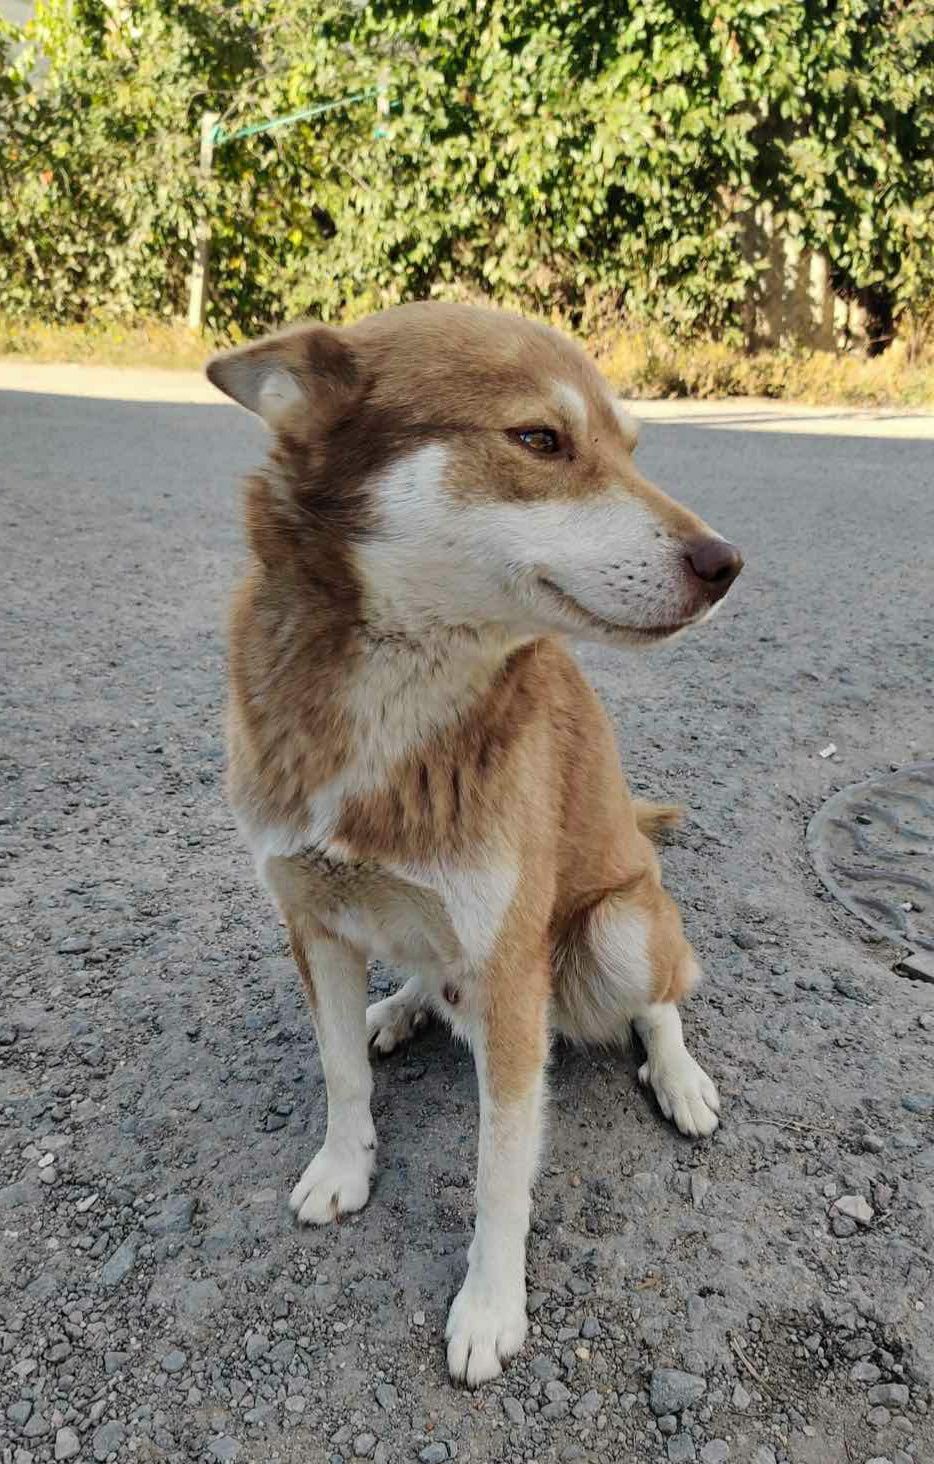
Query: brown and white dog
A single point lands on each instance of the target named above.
(418, 766)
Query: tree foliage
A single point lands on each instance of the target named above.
(571, 156)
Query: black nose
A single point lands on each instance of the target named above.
(716, 562)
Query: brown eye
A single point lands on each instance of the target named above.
(538, 439)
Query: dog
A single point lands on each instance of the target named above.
(420, 769)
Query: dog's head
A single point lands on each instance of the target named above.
(477, 469)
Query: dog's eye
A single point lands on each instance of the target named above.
(538, 439)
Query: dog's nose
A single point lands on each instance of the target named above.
(716, 563)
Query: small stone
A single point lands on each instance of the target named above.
(8, 1034)
(917, 965)
(681, 1449)
(717, 1451)
(853, 1207)
(556, 1392)
(434, 1454)
(918, 1102)
(536, 1301)
(418, 1319)
(590, 1328)
(296, 1404)
(174, 1218)
(553, 1411)
(120, 1264)
(543, 1367)
(764, 1455)
(107, 1440)
(843, 1227)
(363, 1445)
(114, 1362)
(67, 1443)
(741, 1399)
(224, 1447)
(386, 1396)
(879, 1417)
(872, 1143)
(672, 1390)
(513, 1410)
(47, 1176)
(588, 1406)
(174, 1361)
(74, 945)
(256, 1346)
(864, 1372)
(18, 1413)
(668, 1424)
(890, 1395)
(746, 941)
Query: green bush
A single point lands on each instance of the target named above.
(574, 157)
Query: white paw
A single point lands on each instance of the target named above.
(486, 1325)
(336, 1182)
(393, 1021)
(685, 1093)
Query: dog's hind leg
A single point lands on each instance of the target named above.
(628, 964)
(396, 1018)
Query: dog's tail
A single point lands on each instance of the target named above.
(653, 818)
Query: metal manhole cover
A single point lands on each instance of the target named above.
(873, 847)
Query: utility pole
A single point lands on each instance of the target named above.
(200, 273)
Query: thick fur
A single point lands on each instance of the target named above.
(416, 761)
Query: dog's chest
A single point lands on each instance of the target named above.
(441, 919)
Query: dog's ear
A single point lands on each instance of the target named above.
(295, 380)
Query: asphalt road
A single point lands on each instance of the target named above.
(155, 1301)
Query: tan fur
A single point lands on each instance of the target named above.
(439, 791)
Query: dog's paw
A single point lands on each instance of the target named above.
(485, 1327)
(685, 1094)
(393, 1021)
(336, 1182)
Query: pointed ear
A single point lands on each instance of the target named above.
(292, 379)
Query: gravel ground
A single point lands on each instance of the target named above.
(765, 1296)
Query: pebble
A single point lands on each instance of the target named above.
(543, 1367)
(8, 1034)
(681, 1449)
(843, 1227)
(418, 1319)
(513, 1410)
(120, 1264)
(224, 1447)
(590, 1328)
(764, 1455)
(668, 1424)
(717, 1451)
(434, 1454)
(363, 1445)
(879, 1417)
(386, 1396)
(672, 1390)
(556, 1392)
(854, 1207)
(890, 1395)
(918, 1102)
(256, 1346)
(67, 1443)
(864, 1372)
(741, 1399)
(174, 1218)
(107, 1440)
(174, 1361)
(18, 1413)
(588, 1405)
(74, 945)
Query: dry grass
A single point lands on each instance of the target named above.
(166, 344)
(640, 363)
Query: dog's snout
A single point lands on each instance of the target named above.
(715, 562)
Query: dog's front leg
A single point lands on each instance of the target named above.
(487, 1322)
(337, 1180)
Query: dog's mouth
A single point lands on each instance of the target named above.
(610, 627)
